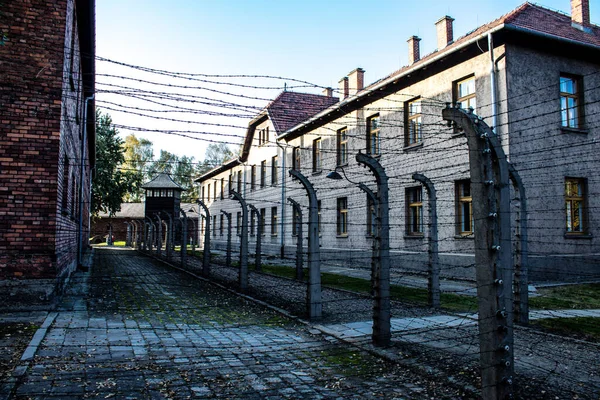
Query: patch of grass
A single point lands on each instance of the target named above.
(450, 301)
(567, 297)
(351, 363)
(585, 328)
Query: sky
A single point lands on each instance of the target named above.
(315, 41)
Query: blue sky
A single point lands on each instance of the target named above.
(315, 41)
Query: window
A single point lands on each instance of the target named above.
(570, 102)
(222, 225)
(464, 93)
(253, 177)
(214, 226)
(215, 191)
(238, 223)
(296, 158)
(414, 211)
(239, 182)
(263, 173)
(575, 199)
(208, 194)
(295, 221)
(317, 156)
(222, 188)
(230, 186)
(65, 187)
(261, 224)
(464, 210)
(274, 171)
(273, 221)
(319, 216)
(373, 135)
(202, 195)
(371, 217)
(413, 123)
(342, 146)
(342, 216)
(74, 196)
(263, 136)
(170, 193)
(252, 222)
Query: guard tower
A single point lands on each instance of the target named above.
(163, 195)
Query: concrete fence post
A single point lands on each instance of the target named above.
(258, 254)
(299, 253)
(381, 269)
(314, 301)
(490, 193)
(184, 232)
(243, 275)
(433, 281)
(159, 236)
(206, 251)
(169, 237)
(228, 252)
(520, 258)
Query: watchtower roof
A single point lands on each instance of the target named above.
(162, 181)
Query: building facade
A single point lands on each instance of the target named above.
(532, 74)
(47, 145)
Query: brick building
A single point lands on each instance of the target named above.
(532, 74)
(47, 145)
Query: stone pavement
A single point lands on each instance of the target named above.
(134, 329)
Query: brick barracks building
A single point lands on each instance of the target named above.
(47, 146)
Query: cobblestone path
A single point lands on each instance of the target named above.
(144, 331)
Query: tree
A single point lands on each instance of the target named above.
(216, 154)
(110, 183)
(139, 154)
(166, 163)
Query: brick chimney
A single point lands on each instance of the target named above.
(580, 14)
(328, 92)
(343, 88)
(413, 50)
(356, 80)
(445, 35)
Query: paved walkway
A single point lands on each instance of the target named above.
(134, 329)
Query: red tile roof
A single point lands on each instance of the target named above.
(291, 108)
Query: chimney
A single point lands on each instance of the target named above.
(343, 88)
(356, 80)
(413, 50)
(445, 36)
(328, 92)
(580, 14)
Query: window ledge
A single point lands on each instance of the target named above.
(468, 236)
(585, 236)
(413, 146)
(410, 237)
(342, 236)
(566, 129)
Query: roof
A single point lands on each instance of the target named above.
(528, 17)
(285, 111)
(291, 108)
(162, 181)
(137, 211)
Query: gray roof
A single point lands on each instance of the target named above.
(162, 181)
(136, 211)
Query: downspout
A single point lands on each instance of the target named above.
(493, 82)
(81, 173)
(282, 219)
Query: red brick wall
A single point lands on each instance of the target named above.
(41, 122)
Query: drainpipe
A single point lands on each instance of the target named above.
(282, 219)
(493, 82)
(81, 173)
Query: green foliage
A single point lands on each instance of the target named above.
(585, 296)
(138, 161)
(216, 154)
(111, 183)
(585, 328)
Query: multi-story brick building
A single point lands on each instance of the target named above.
(533, 74)
(47, 145)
